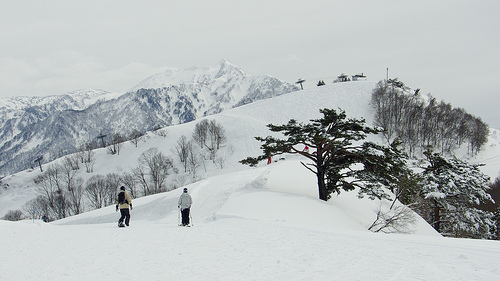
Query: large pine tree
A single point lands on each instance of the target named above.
(334, 148)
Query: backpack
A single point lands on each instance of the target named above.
(121, 198)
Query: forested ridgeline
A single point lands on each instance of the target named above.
(423, 121)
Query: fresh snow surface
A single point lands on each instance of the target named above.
(245, 227)
(262, 223)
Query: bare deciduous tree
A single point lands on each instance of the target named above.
(116, 143)
(38, 208)
(14, 215)
(113, 182)
(395, 220)
(182, 150)
(193, 162)
(217, 135)
(73, 187)
(136, 136)
(72, 161)
(130, 182)
(87, 156)
(200, 133)
(96, 191)
(101, 190)
(153, 170)
(159, 132)
(141, 177)
(52, 188)
(215, 138)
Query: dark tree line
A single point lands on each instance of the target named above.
(419, 123)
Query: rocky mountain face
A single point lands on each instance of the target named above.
(55, 126)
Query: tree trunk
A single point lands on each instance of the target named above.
(321, 184)
(437, 218)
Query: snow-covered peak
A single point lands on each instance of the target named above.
(225, 68)
(193, 75)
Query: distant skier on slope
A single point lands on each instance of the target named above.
(184, 205)
(123, 201)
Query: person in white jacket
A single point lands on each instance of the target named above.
(184, 205)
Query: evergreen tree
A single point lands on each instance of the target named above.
(388, 166)
(334, 147)
(453, 189)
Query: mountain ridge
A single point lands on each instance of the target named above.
(55, 126)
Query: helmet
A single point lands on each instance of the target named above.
(185, 189)
(122, 187)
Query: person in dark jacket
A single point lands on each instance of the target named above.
(123, 202)
(184, 205)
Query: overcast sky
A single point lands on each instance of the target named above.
(449, 48)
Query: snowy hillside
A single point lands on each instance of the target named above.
(241, 124)
(258, 224)
(262, 223)
(490, 156)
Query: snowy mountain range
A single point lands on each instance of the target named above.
(55, 126)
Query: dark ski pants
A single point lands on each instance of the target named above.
(125, 216)
(185, 216)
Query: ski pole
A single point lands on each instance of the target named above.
(190, 217)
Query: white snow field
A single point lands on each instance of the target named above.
(262, 223)
(245, 227)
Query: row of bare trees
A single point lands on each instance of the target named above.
(207, 139)
(421, 123)
(209, 135)
(62, 192)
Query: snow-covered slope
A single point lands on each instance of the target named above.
(284, 193)
(262, 223)
(241, 124)
(490, 155)
(257, 224)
